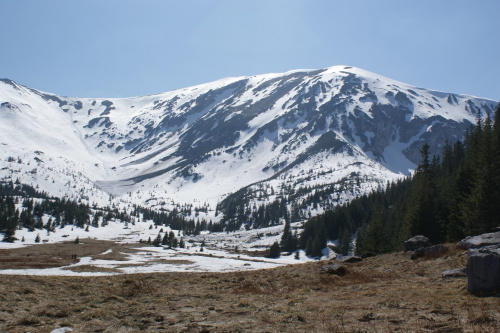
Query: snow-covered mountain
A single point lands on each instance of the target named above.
(340, 128)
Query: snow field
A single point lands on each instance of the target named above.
(222, 252)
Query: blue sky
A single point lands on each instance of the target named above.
(124, 48)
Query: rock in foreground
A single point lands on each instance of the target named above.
(483, 271)
(475, 242)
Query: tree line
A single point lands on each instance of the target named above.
(22, 206)
(450, 196)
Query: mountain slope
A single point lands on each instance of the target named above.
(302, 130)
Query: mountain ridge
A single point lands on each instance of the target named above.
(198, 144)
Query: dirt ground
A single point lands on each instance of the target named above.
(388, 293)
(60, 254)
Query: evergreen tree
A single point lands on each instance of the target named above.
(274, 250)
(289, 241)
(157, 240)
(173, 241)
(9, 236)
(309, 246)
(423, 217)
(344, 242)
(481, 213)
(166, 240)
(317, 246)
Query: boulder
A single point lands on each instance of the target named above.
(483, 270)
(429, 252)
(334, 269)
(349, 259)
(475, 242)
(416, 242)
(454, 273)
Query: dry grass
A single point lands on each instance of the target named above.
(388, 293)
(91, 269)
(59, 254)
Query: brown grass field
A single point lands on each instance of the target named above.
(388, 293)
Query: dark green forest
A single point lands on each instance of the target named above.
(450, 196)
(35, 204)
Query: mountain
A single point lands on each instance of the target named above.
(334, 133)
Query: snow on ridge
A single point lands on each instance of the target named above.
(105, 139)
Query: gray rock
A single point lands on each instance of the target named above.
(416, 242)
(454, 273)
(475, 242)
(429, 252)
(62, 330)
(349, 259)
(334, 269)
(483, 270)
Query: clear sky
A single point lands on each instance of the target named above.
(125, 48)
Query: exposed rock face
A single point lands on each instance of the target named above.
(475, 242)
(354, 126)
(483, 270)
(416, 242)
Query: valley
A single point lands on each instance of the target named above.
(386, 293)
(339, 132)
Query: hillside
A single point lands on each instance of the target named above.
(386, 293)
(338, 132)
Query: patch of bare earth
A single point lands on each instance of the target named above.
(388, 293)
(60, 254)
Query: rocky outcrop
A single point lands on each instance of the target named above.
(454, 273)
(475, 242)
(349, 259)
(483, 270)
(334, 269)
(429, 252)
(416, 242)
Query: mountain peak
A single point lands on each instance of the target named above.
(341, 131)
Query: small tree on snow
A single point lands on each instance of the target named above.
(157, 241)
(274, 250)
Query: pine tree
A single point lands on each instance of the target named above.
(482, 208)
(9, 236)
(37, 238)
(344, 243)
(317, 246)
(173, 241)
(309, 246)
(289, 241)
(274, 250)
(422, 217)
(166, 240)
(496, 164)
(297, 255)
(157, 240)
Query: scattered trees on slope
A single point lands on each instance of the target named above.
(447, 198)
